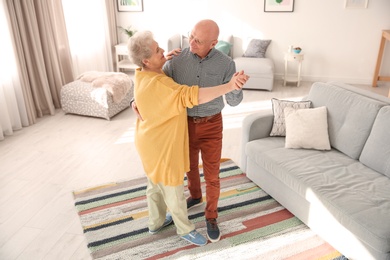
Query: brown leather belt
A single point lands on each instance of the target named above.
(197, 119)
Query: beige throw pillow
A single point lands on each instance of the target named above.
(307, 128)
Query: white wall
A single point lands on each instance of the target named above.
(339, 44)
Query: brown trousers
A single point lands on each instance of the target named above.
(206, 138)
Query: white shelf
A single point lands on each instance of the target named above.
(292, 57)
(122, 61)
(293, 79)
(126, 64)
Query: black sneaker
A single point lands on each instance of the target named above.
(213, 233)
(192, 203)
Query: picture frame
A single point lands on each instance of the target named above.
(356, 4)
(278, 5)
(130, 5)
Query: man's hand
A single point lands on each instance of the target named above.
(239, 79)
(172, 53)
(135, 109)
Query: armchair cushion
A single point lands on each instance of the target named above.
(376, 151)
(224, 47)
(185, 42)
(257, 48)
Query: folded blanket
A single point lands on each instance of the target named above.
(116, 83)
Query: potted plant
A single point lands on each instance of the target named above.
(128, 31)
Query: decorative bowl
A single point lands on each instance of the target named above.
(297, 51)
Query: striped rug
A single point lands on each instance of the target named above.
(253, 225)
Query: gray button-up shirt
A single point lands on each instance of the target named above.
(215, 69)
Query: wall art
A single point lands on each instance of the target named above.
(356, 4)
(130, 5)
(278, 5)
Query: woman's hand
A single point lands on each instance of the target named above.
(135, 109)
(238, 80)
(172, 53)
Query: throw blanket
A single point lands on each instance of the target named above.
(116, 83)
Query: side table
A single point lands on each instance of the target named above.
(122, 61)
(377, 77)
(289, 56)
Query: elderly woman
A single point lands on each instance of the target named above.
(161, 136)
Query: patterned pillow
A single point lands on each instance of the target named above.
(257, 48)
(278, 106)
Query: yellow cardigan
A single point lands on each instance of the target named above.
(161, 138)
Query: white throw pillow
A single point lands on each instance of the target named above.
(307, 128)
(278, 106)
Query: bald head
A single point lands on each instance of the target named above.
(203, 38)
(209, 28)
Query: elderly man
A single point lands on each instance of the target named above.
(201, 64)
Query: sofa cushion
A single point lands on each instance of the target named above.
(257, 48)
(278, 106)
(307, 128)
(350, 116)
(357, 196)
(376, 151)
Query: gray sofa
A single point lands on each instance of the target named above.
(343, 194)
(260, 70)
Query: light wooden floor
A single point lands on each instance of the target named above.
(42, 164)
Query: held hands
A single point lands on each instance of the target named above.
(172, 53)
(238, 80)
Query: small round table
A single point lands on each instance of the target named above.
(290, 56)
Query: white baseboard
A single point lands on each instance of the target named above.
(360, 81)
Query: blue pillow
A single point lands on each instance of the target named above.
(224, 47)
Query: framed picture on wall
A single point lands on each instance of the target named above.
(130, 5)
(356, 3)
(278, 5)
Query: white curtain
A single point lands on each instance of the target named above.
(13, 115)
(36, 49)
(88, 34)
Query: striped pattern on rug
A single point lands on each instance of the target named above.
(253, 225)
